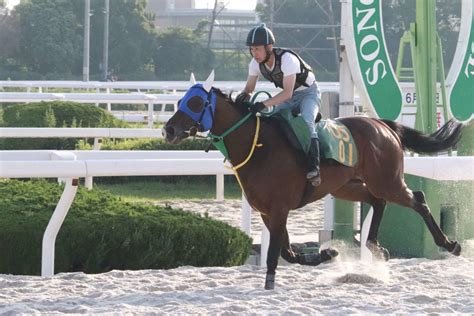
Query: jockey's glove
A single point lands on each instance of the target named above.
(242, 98)
(256, 107)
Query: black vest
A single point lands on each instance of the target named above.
(276, 75)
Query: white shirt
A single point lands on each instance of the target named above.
(289, 65)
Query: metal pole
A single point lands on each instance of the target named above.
(425, 39)
(105, 65)
(85, 62)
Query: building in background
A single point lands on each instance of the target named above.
(230, 26)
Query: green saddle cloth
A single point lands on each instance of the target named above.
(335, 139)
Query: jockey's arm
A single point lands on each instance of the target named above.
(284, 95)
(251, 84)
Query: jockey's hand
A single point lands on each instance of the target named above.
(256, 107)
(242, 97)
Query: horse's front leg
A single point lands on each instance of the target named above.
(276, 223)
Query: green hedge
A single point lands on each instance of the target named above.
(102, 233)
(53, 114)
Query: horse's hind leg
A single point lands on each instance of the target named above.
(286, 252)
(416, 200)
(357, 191)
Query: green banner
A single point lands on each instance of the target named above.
(462, 94)
(375, 67)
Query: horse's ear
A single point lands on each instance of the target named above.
(209, 82)
(192, 80)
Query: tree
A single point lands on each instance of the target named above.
(178, 53)
(397, 14)
(131, 35)
(50, 36)
(9, 35)
(308, 27)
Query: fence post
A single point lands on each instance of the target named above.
(220, 187)
(150, 114)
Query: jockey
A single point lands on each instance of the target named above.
(287, 70)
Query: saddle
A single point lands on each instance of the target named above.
(335, 139)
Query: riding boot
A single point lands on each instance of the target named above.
(314, 175)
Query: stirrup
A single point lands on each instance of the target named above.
(315, 181)
(314, 176)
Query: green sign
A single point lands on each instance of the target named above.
(374, 67)
(462, 94)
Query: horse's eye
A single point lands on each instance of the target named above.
(196, 104)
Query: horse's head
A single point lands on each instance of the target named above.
(195, 112)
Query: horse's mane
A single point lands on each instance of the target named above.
(228, 97)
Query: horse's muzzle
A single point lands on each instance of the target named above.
(172, 135)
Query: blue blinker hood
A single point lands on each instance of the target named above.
(205, 118)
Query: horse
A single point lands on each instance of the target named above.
(272, 173)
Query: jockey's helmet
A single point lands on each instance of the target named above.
(260, 35)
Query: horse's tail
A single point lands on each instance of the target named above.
(443, 139)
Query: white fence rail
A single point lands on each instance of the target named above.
(73, 165)
(46, 132)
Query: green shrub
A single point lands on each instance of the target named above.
(153, 144)
(102, 233)
(53, 114)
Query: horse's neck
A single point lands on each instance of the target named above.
(239, 142)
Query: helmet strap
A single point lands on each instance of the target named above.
(268, 54)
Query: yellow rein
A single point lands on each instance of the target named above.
(252, 149)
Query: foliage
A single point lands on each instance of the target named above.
(318, 40)
(398, 14)
(180, 52)
(50, 36)
(131, 35)
(153, 144)
(53, 114)
(9, 35)
(102, 233)
(162, 188)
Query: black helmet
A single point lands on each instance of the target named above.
(260, 35)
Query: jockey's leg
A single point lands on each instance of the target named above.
(310, 99)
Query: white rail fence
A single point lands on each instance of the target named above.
(73, 165)
(172, 92)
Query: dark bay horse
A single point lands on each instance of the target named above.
(273, 177)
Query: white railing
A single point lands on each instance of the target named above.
(227, 86)
(104, 132)
(76, 164)
(72, 165)
(97, 134)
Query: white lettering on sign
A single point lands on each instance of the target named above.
(368, 13)
(470, 63)
(372, 74)
(375, 68)
(368, 39)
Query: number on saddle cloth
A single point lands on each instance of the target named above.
(335, 139)
(336, 142)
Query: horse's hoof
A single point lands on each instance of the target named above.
(457, 249)
(378, 251)
(270, 282)
(328, 253)
(385, 253)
